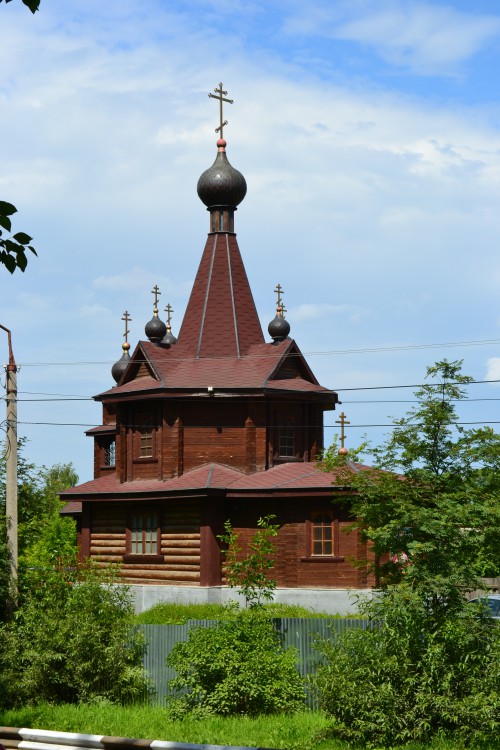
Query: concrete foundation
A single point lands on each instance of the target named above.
(331, 601)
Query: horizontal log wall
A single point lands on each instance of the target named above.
(180, 543)
(293, 567)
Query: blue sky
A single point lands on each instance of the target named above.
(369, 135)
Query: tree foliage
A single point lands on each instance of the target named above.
(33, 5)
(249, 571)
(44, 536)
(429, 508)
(71, 640)
(238, 666)
(13, 249)
(412, 676)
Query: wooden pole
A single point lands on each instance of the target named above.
(11, 470)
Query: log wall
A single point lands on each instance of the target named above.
(179, 543)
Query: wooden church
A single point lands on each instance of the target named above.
(218, 423)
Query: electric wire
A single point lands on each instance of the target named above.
(330, 352)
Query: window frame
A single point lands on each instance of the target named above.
(145, 428)
(143, 556)
(310, 526)
(109, 450)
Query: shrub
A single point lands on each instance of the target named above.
(249, 571)
(71, 641)
(239, 666)
(413, 675)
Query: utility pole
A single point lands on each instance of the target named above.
(11, 468)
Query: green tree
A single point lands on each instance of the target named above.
(44, 536)
(249, 571)
(429, 508)
(411, 676)
(71, 640)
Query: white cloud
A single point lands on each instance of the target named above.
(425, 37)
(493, 369)
(379, 200)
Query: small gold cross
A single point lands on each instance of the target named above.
(126, 317)
(169, 312)
(342, 421)
(221, 97)
(156, 291)
(278, 291)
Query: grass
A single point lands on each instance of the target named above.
(178, 614)
(301, 731)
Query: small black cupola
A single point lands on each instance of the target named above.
(279, 328)
(221, 187)
(169, 337)
(121, 365)
(156, 329)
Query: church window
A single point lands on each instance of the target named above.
(146, 442)
(286, 439)
(145, 437)
(110, 454)
(144, 534)
(322, 534)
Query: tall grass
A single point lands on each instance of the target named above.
(177, 614)
(302, 731)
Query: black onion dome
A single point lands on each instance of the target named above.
(121, 365)
(279, 328)
(221, 184)
(155, 329)
(168, 339)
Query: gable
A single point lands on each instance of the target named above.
(293, 365)
(140, 367)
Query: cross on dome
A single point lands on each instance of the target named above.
(156, 291)
(221, 97)
(127, 319)
(169, 310)
(342, 422)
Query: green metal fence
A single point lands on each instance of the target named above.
(296, 632)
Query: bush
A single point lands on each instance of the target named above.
(71, 641)
(239, 666)
(414, 674)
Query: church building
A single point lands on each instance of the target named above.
(218, 423)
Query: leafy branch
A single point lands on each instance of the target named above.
(13, 249)
(33, 5)
(249, 572)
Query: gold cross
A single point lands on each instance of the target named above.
(126, 317)
(342, 421)
(156, 291)
(169, 312)
(221, 97)
(278, 291)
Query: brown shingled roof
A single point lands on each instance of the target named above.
(220, 319)
(175, 370)
(289, 476)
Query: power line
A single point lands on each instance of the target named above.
(330, 352)
(274, 426)
(336, 390)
